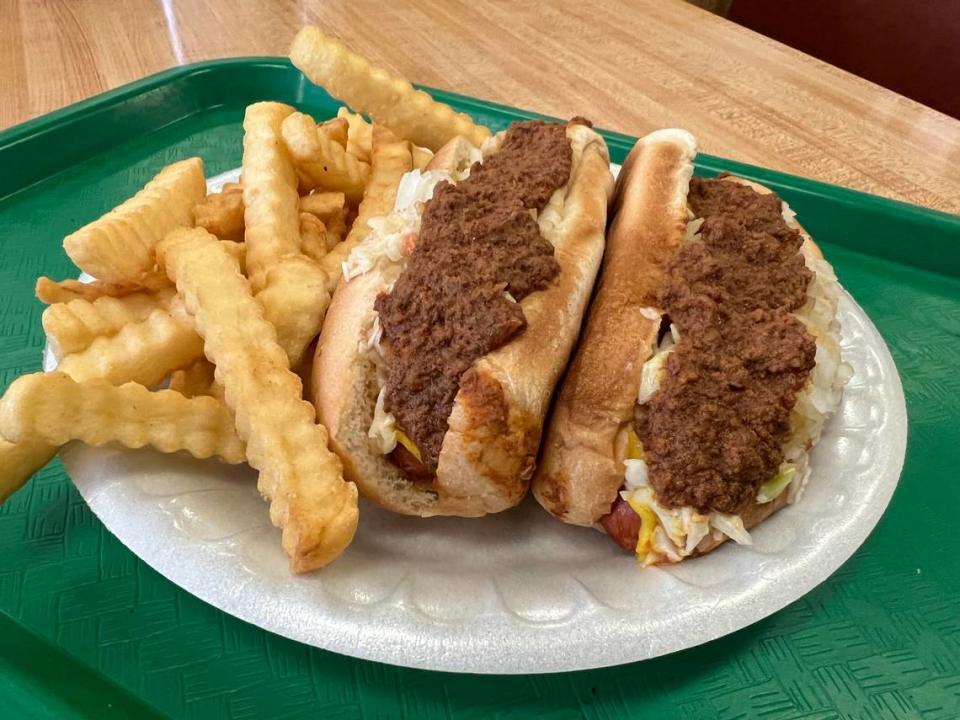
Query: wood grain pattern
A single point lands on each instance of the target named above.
(629, 68)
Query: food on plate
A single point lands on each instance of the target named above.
(119, 247)
(460, 266)
(291, 287)
(301, 477)
(455, 317)
(390, 159)
(323, 223)
(221, 213)
(270, 198)
(359, 134)
(129, 330)
(328, 207)
(387, 99)
(708, 366)
(294, 301)
(238, 251)
(55, 409)
(321, 162)
(20, 461)
(196, 379)
(60, 291)
(313, 237)
(72, 326)
(144, 352)
(336, 130)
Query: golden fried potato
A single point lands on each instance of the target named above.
(238, 251)
(309, 499)
(119, 247)
(385, 98)
(144, 352)
(195, 380)
(336, 130)
(270, 198)
(320, 162)
(72, 326)
(55, 409)
(221, 213)
(295, 300)
(391, 159)
(359, 134)
(331, 209)
(325, 205)
(283, 278)
(313, 236)
(20, 461)
(60, 291)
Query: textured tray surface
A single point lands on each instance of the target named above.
(880, 638)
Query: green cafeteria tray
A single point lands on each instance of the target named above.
(88, 630)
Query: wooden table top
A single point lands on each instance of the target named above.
(655, 63)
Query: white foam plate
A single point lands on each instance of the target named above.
(516, 592)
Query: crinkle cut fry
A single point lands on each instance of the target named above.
(302, 479)
(221, 213)
(271, 202)
(53, 408)
(20, 461)
(72, 326)
(373, 91)
(359, 134)
(50, 291)
(119, 246)
(336, 129)
(295, 300)
(391, 159)
(144, 352)
(319, 161)
(195, 380)
(291, 287)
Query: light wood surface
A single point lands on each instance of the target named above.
(629, 67)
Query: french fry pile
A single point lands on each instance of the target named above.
(220, 298)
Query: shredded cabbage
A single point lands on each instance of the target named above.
(772, 488)
(394, 236)
(383, 432)
(680, 530)
(636, 474)
(697, 528)
(372, 343)
(732, 527)
(650, 375)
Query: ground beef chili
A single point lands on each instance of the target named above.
(713, 431)
(479, 253)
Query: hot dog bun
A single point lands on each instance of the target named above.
(581, 469)
(488, 453)
(581, 466)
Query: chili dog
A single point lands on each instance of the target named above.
(456, 316)
(709, 364)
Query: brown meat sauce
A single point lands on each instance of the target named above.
(478, 242)
(713, 431)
